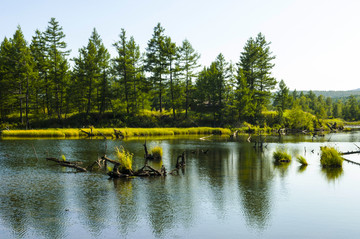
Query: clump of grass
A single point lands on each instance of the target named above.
(281, 156)
(157, 152)
(301, 160)
(330, 157)
(125, 158)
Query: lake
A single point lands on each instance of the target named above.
(231, 191)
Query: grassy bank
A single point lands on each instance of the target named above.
(109, 132)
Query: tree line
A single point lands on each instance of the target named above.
(38, 82)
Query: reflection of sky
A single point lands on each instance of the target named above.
(230, 191)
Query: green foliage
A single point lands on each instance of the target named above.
(301, 160)
(157, 152)
(298, 119)
(281, 156)
(40, 89)
(255, 67)
(330, 157)
(125, 158)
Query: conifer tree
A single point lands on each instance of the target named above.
(55, 45)
(188, 65)
(256, 65)
(155, 64)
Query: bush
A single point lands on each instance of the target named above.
(330, 157)
(298, 119)
(157, 152)
(281, 156)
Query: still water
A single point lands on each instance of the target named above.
(231, 191)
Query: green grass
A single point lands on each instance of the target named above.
(125, 158)
(301, 160)
(330, 158)
(281, 156)
(109, 132)
(157, 152)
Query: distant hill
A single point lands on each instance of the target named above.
(335, 94)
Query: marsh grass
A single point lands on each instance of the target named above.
(301, 160)
(125, 158)
(109, 132)
(281, 156)
(157, 152)
(330, 157)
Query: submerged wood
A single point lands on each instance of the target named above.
(145, 171)
(68, 164)
(350, 161)
(179, 164)
(350, 152)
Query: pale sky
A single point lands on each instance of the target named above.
(316, 42)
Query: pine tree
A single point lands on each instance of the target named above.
(55, 45)
(282, 97)
(38, 52)
(7, 98)
(256, 65)
(155, 64)
(21, 66)
(170, 51)
(188, 65)
(126, 66)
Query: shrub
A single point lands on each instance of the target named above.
(281, 156)
(125, 158)
(330, 157)
(301, 160)
(157, 152)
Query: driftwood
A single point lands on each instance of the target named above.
(179, 164)
(89, 134)
(347, 160)
(146, 170)
(118, 134)
(350, 152)
(148, 156)
(68, 164)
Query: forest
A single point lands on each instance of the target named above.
(162, 86)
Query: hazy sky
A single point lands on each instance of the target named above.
(316, 42)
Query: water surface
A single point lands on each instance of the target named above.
(231, 191)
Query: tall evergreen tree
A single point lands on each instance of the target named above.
(170, 51)
(38, 51)
(282, 97)
(126, 66)
(7, 98)
(155, 63)
(256, 65)
(24, 66)
(188, 65)
(55, 44)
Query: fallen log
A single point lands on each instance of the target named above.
(68, 164)
(118, 134)
(88, 134)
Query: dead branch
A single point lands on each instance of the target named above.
(68, 164)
